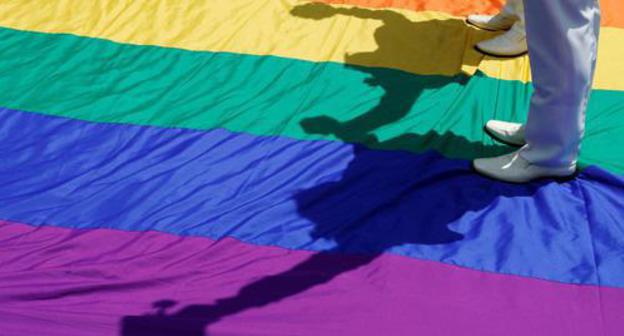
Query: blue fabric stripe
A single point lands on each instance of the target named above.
(312, 195)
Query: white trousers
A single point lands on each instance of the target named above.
(563, 40)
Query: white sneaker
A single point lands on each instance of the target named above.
(501, 21)
(515, 169)
(506, 132)
(510, 44)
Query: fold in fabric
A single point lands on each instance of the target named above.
(103, 81)
(308, 195)
(110, 282)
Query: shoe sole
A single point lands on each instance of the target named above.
(558, 179)
(495, 137)
(499, 56)
(483, 28)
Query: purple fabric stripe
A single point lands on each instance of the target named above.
(59, 281)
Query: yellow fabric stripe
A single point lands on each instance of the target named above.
(417, 42)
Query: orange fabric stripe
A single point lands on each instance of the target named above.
(612, 10)
(612, 13)
(453, 7)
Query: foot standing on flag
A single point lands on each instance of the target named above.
(513, 42)
(562, 38)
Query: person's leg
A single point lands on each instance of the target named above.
(563, 38)
(563, 44)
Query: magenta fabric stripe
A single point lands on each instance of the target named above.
(59, 281)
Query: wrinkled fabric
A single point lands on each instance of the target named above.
(381, 108)
(244, 167)
(422, 42)
(112, 282)
(303, 195)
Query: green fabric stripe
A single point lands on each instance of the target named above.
(102, 81)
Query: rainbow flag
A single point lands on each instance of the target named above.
(286, 167)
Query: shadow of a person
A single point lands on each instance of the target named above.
(438, 50)
(431, 46)
(384, 200)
